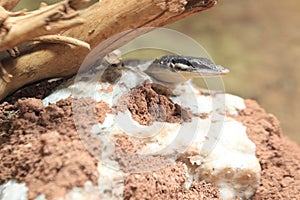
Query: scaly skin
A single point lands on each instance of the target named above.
(179, 69)
(169, 71)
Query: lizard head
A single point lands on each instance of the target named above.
(169, 68)
(193, 66)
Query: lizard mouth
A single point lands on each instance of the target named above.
(203, 73)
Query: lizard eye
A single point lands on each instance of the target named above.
(172, 64)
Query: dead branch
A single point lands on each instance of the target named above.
(58, 39)
(102, 20)
(45, 21)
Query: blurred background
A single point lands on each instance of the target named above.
(259, 41)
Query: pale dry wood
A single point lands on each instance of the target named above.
(58, 39)
(102, 20)
(48, 20)
(17, 27)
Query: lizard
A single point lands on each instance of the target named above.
(167, 68)
(173, 70)
(165, 72)
(168, 71)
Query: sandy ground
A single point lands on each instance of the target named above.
(40, 147)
